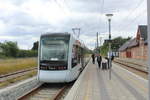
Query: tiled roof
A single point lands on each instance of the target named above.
(133, 43)
(143, 30)
(128, 44)
(124, 46)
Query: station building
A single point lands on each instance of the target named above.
(136, 48)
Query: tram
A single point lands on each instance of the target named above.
(61, 57)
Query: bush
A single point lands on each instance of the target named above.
(27, 53)
(2, 56)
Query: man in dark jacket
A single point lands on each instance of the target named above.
(99, 60)
(93, 58)
(112, 58)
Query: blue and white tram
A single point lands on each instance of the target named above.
(61, 58)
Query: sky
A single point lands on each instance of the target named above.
(24, 21)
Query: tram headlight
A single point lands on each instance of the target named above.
(43, 67)
(62, 67)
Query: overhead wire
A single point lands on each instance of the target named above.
(82, 23)
(101, 12)
(62, 9)
(102, 2)
(133, 10)
(73, 29)
(129, 14)
(78, 24)
(135, 19)
(60, 6)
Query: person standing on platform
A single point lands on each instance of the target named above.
(99, 60)
(93, 58)
(107, 58)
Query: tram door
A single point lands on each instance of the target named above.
(76, 55)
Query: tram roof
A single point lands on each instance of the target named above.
(78, 41)
(55, 34)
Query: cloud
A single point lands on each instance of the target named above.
(25, 20)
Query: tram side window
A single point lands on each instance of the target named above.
(79, 54)
(76, 55)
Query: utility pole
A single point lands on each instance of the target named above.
(148, 9)
(100, 39)
(97, 40)
(98, 51)
(95, 44)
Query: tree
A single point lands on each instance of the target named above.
(115, 45)
(35, 45)
(117, 42)
(9, 48)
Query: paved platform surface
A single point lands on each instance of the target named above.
(94, 84)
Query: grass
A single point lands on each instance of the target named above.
(10, 81)
(12, 65)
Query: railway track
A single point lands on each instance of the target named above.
(132, 63)
(16, 74)
(138, 67)
(48, 92)
(135, 68)
(135, 65)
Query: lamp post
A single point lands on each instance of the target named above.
(109, 54)
(148, 11)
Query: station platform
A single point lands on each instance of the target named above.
(94, 84)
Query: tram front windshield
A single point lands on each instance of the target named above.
(54, 48)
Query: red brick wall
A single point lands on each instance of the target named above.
(122, 54)
(140, 52)
(145, 57)
(135, 52)
(128, 53)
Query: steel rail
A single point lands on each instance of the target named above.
(131, 67)
(17, 72)
(60, 92)
(131, 63)
(29, 93)
(56, 93)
